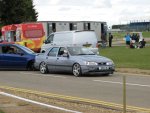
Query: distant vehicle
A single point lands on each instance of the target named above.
(14, 56)
(76, 60)
(81, 38)
(139, 34)
(30, 35)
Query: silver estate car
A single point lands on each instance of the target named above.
(76, 60)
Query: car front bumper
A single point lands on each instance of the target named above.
(98, 69)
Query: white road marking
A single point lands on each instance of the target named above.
(130, 84)
(39, 103)
(50, 75)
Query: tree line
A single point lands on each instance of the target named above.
(17, 11)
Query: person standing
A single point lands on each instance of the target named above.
(128, 39)
(110, 39)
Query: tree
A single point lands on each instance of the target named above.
(17, 11)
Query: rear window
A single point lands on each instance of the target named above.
(34, 33)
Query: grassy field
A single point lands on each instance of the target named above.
(146, 34)
(124, 57)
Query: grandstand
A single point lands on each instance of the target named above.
(139, 26)
(134, 26)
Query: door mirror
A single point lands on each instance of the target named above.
(45, 41)
(65, 54)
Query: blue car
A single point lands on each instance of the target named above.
(76, 60)
(14, 56)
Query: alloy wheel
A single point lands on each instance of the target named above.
(76, 70)
(43, 68)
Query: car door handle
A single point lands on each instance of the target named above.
(57, 58)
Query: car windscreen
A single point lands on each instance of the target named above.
(79, 51)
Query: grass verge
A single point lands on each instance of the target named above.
(1, 111)
(124, 57)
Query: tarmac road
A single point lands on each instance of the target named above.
(103, 88)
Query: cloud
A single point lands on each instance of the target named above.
(111, 11)
(102, 4)
(46, 2)
(82, 3)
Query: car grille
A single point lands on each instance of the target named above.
(102, 63)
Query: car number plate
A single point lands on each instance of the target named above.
(104, 68)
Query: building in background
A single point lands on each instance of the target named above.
(134, 26)
(100, 28)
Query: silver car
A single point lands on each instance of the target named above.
(76, 60)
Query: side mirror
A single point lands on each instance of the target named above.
(65, 53)
(45, 41)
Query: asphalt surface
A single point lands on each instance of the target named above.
(103, 88)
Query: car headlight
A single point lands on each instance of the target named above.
(91, 63)
(109, 63)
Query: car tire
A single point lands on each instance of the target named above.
(76, 70)
(106, 74)
(43, 68)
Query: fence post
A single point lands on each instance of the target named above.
(124, 94)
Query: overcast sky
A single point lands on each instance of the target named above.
(110, 11)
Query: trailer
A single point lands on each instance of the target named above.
(100, 28)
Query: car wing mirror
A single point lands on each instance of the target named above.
(65, 53)
(45, 41)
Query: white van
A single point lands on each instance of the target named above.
(76, 38)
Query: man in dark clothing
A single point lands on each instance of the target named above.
(110, 39)
(142, 43)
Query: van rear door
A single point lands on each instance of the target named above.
(85, 38)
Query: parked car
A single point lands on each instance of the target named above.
(13, 56)
(82, 38)
(76, 60)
